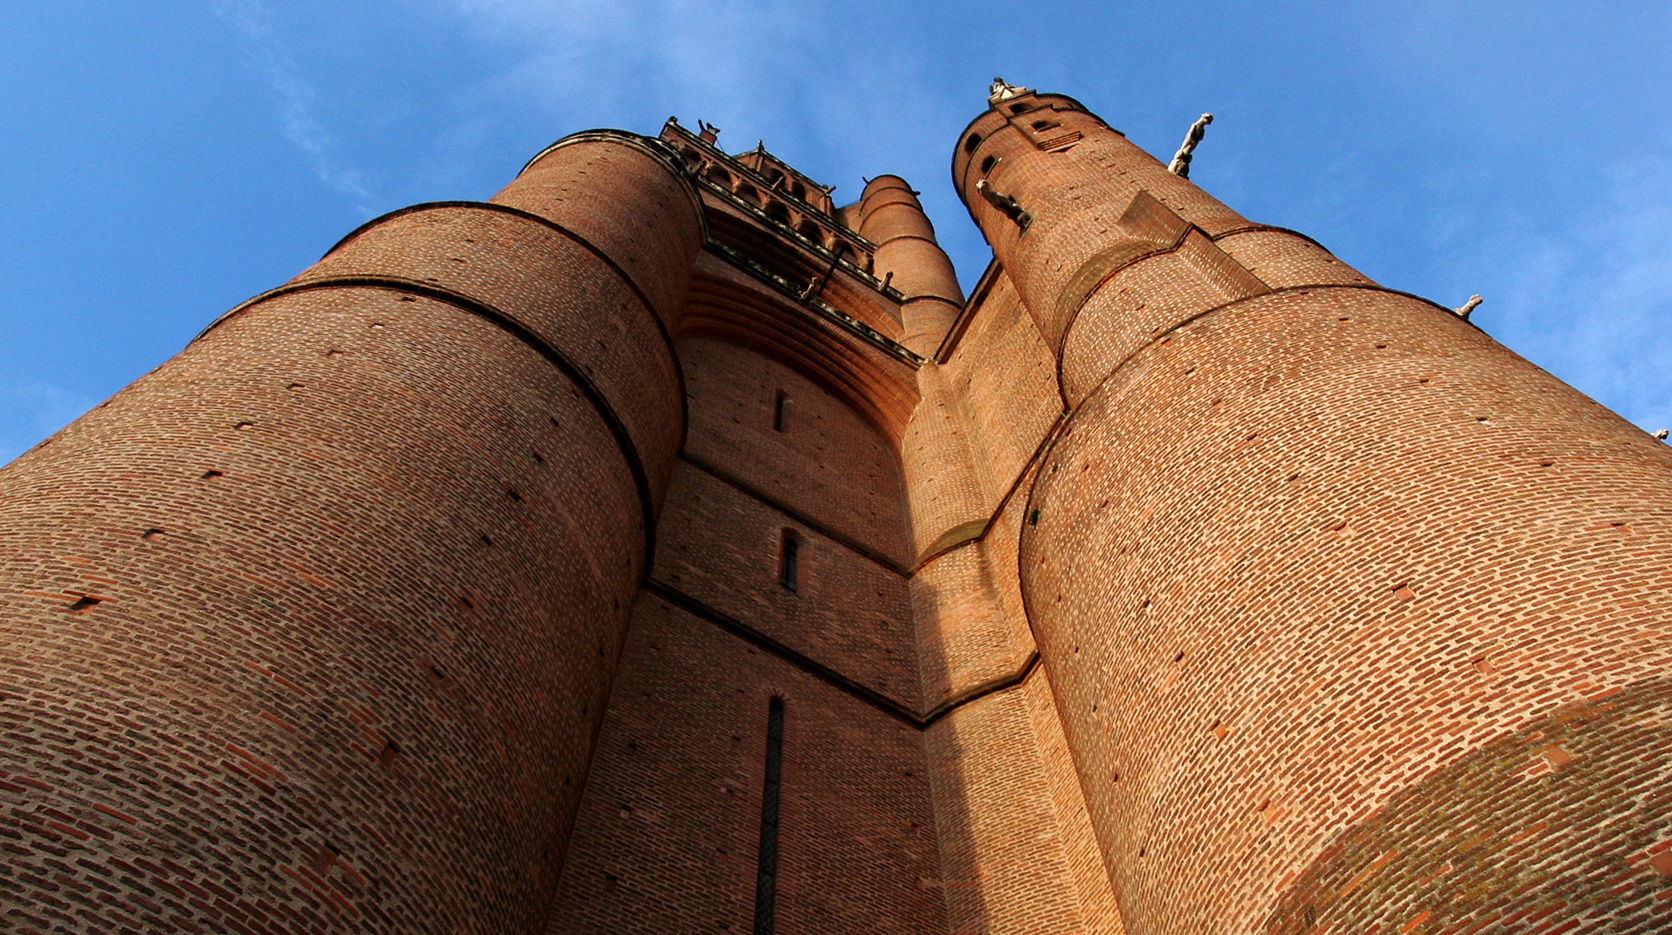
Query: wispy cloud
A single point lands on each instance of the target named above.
(614, 57)
(33, 411)
(266, 54)
(1594, 302)
(835, 88)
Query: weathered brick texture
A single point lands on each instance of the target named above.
(1354, 617)
(1181, 580)
(311, 628)
(891, 216)
(667, 840)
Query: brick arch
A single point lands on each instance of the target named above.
(763, 422)
(877, 387)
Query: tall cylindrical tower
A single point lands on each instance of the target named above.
(1356, 620)
(313, 625)
(891, 217)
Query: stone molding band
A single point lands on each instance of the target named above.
(871, 187)
(654, 148)
(1139, 255)
(589, 246)
(527, 216)
(919, 720)
(600, 403)
(928, 240)
(1067, 417)
(820, 307)
(1265, 229)
(851, 545)
(1318, 287)
(976, 530)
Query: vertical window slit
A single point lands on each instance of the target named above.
(766, 879)
(778, 411)
(789, 560)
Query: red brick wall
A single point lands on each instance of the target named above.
(311, 628)
(948, 502)
(550, 281)
(906, 250)
(1016, 848)
(1317, 611)
(1005, 376)
(668, 833)
(1098, 910)
(722, 547)
(1352, 615)
(828, 464)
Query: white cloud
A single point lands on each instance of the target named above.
(34, 411)
(1593, 303)
(834, 88)
(599, 55)
(266, 54)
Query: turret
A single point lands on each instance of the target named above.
(315, 624)
(892, 218)
(1335, 592)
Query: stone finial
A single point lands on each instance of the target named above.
(1468, 307)
(1002, 91)
(1180, 166)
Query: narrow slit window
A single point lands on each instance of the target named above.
(766, 877)
(778, 406)
(789, 561)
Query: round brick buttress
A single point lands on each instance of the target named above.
(312, 627)
(1356, 620)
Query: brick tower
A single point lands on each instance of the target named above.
(662, 547)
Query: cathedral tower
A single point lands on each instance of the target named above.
(1356, 619)
(664, 546)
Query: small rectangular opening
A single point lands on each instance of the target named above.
(766, 876)
(789, 561)
(778, 406)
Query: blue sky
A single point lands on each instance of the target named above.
(164, 160)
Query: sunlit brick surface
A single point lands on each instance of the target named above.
(907, 252)
(720, 546)
(1313, 548)
(1355, 619)
(311, 628)
(343, 663)
(666, 839)
(551, 281)
(1181, 580)
(824, 462)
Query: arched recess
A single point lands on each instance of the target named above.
(832, 449)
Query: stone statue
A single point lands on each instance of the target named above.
(1001, 91)
(1006, 204)
(1180, 166)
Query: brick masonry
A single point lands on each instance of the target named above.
(1180, 579)
(1355, 618)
